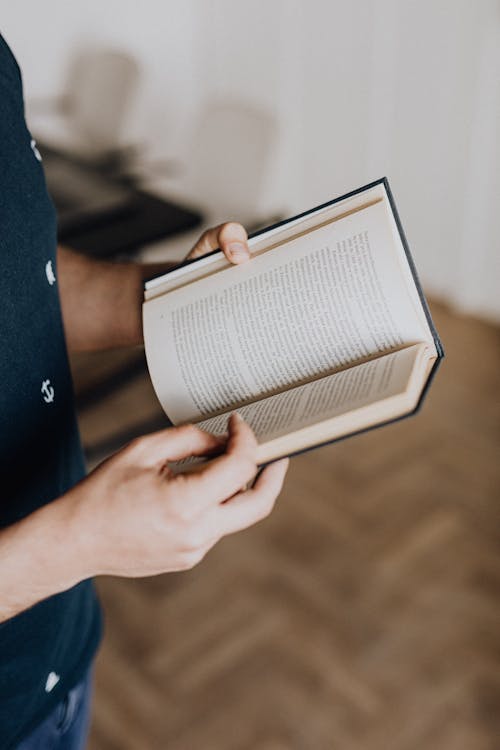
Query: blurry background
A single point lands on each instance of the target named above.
(364, 613)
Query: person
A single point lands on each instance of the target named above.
(131, 516)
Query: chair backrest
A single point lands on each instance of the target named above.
(100, 88)
(229, 159)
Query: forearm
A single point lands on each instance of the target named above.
(40, 556)
(101, 302)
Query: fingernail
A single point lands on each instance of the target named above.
(238, 416)
(237, 251)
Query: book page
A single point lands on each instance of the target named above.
(194, 270)
(326, 398)
(326, 299)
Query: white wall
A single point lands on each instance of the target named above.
(363, 88)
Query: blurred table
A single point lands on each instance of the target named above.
(105, 214)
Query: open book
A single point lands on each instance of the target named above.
(323, 333)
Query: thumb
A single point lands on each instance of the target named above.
(230, 237)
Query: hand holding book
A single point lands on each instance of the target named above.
(324, 333)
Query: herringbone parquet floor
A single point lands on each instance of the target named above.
(364, 614)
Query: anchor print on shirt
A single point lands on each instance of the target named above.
(35, 150)
(49, 272)
(52, 680)
(47, 391)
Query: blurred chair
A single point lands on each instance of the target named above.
(229, 164)
(89, 168)
(87, 121)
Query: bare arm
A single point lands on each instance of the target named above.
(99, 527)
(39, 557)
(102, 302)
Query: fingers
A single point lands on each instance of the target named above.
(224, 476)
(238, 513)
(233, 242)
(174, 444)
(255, 504)
(230, 237)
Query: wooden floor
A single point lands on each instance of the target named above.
(363, 615)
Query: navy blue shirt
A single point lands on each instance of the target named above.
(45, 650)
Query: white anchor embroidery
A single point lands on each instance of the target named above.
(52, 680)
(49, 272)
(35, 150)
(48, 392)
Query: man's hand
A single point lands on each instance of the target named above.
(134, 517)
(231, 238)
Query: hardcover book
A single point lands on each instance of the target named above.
(324, 333)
